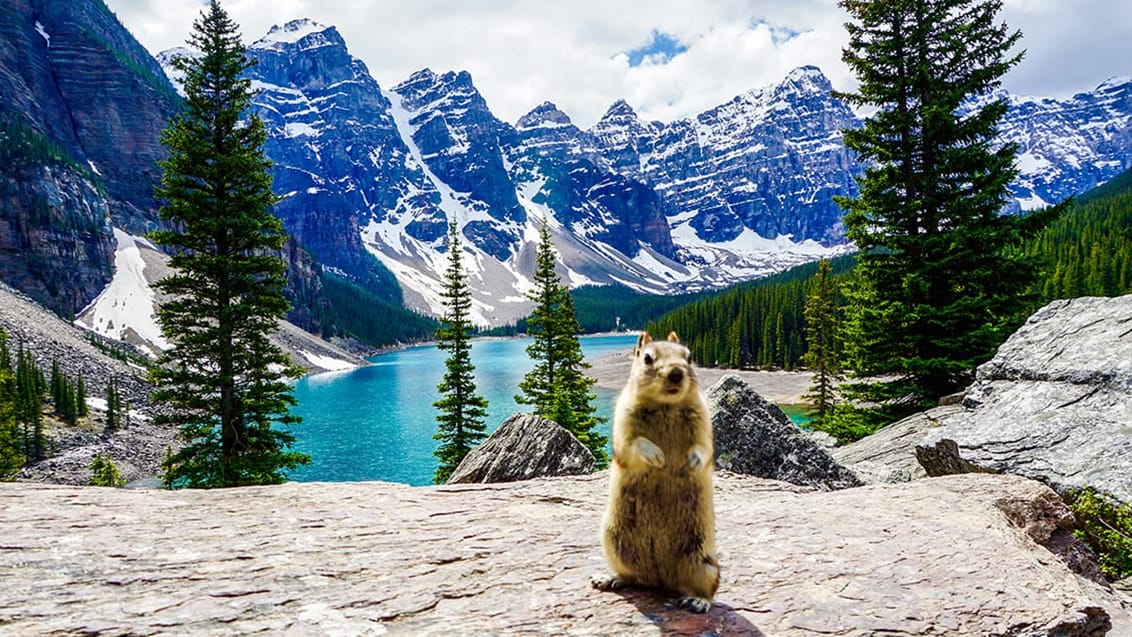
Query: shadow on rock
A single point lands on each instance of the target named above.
(659, 608)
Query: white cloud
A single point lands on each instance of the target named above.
(521, 53)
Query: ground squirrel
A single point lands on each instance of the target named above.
(659, 526)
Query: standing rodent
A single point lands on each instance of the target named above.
(659, 526)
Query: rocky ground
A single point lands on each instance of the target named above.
(961, 555)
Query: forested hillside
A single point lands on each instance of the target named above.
(1087, 251)
(759, 324)
(1090, 246)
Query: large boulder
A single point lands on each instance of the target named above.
(889, 454)
(755, 437)
(1054, 404)
(524, 447)
(961, 555)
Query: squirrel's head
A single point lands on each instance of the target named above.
(663, 370)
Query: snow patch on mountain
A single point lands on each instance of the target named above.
(42, 32)
(328, 363)
(291, 33)
(124, 311)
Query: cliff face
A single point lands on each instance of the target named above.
(81, 108)
(963, 555)
(117, 99)
(56, 243)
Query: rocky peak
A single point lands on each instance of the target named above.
(545, 115)
(619, 110)
(459, 139)
(805, 80)
(426, 90)
(304, 33)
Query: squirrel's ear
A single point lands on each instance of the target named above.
(642, 340)
(673, 337)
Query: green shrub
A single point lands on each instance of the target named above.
(848, 423)
(104, 473)
(1106, 526)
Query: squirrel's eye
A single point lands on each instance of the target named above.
(648, 359)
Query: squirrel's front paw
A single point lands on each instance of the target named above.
(696, 460)
(650, 453)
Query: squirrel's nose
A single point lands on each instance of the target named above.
(675, 376)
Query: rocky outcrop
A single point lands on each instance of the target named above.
(954, 556)
(524, 447)
(755, 437)
(889, 454)
(1054, 404)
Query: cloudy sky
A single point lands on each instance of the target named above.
(667, 58)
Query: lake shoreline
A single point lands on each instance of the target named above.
(780, 387)
(612, 370)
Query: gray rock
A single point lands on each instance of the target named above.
(524, 447)
(889, 454)
(960, 555)
(1054, 404)
(755, 437)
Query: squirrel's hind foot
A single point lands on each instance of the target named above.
(694, 604)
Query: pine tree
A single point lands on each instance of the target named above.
(223, 383)
(538, 384)
(460, 424)
(80, 398)
(113, 409)
(11, 445)
(936, 289)
(56, 385)
(30, 388)
(557, 386)
(573, 408)
(822, 357)
(104, 473)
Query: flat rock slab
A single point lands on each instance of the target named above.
(941, 556)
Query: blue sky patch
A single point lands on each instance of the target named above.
(660, 48)
(778, 34)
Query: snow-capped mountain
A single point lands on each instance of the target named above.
(769, 161)
(742, 190)
(1066, 147)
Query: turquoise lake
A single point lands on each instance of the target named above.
(377, 422)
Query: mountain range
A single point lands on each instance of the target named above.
(370, 176)
(737, 192)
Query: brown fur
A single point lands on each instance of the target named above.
(659, 526)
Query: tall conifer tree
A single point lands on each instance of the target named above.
(223, 382)
(936, 288)
(557, 386)
(462, 410)
(822, 356)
